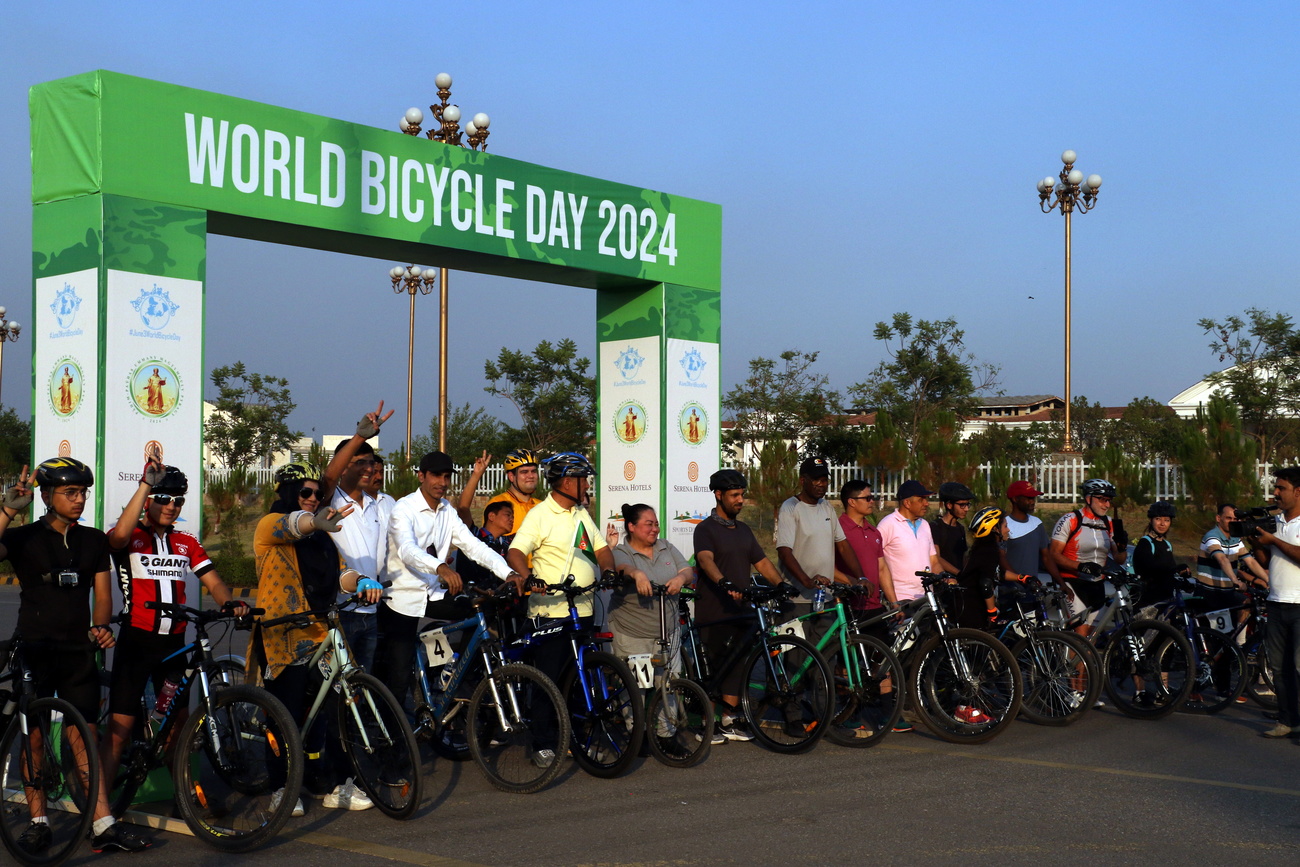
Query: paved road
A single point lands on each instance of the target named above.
(1188, 789)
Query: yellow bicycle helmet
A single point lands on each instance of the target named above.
(985, 521)
(520, 458)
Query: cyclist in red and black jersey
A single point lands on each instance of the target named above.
(152, 560)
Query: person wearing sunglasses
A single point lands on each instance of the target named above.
(153, 562)
(859, 504)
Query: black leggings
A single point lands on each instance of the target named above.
(327, 763)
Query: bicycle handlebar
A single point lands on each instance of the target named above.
(193, 615)
(302, 619)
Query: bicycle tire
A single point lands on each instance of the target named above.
(1220, 672)
(940, 692)
(1164, 659)
(528, 701)
(1060, 674)
(607, 724)
(230, 672)
(864, 714)
(228, 796)
(679, 723)
(787, 694)
(380, 744)
(58, 726)
(1259, 680)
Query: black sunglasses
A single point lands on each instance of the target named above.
(167, 499)
(871, 497)
(309, 492)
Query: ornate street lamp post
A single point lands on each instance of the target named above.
(448, 131)
(8, 331)
(411, 280)
(1074, 192)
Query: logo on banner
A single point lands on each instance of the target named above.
(693, 424)
(153, 451)
(65, 449)
(629, 470)
(629, 421)
(65, 386)
(693, 471)
(693, 364)
(155, 307)
(155, 388)
(628, 364)
(65, 306)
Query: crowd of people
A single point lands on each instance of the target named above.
(333, 534)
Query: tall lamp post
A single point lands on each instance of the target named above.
(411, 280)
(8, 331)
(1074, 192)
(449, 132)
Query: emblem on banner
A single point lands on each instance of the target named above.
(155, 307)
(629, 421)
(693, 424)
(693, 364)
(155, 388)
(65, 306)
(65, 386)
(65, 449)
(629, 470)
(153, 451)
(693, 471)
(629, 362)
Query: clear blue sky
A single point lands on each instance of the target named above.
(868, 157)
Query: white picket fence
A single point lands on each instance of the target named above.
(493, 479)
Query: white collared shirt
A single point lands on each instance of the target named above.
(360, 538)
(414, 530)
(1283, 572)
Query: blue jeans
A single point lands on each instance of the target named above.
(362, 631)
(1283, 640)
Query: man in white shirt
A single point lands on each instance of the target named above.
(1284, 602)
(359, 542)
(423, 527)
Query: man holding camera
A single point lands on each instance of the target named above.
(1284, 602)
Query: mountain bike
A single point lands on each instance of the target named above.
(229, 754)
(495, 724)
(786, 695)
(49, 764)
(1219, 664)
(867, 678)
(605, 708)
(964, 684)
(371, 724)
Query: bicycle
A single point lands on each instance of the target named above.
(605, 708)
(786, 695)
(226, 790)
(1219, 663)
(48, 762)
(963, 684)
(1248, 636)
(679, 713)
(1146, 664)
(1061, 672)
(860, 665)
(497, 718)
(372, 726)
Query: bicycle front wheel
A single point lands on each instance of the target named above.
(787, 694)
(518, 728)
(1060, 674)
(868, 687)
(679, 723)
(238, 772)
(51, 770)
(380, 744)
(1220, 672)
(966, 686)
(607, 714)
(1148, 669)
(1259, 681)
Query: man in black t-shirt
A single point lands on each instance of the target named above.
(726, 550)
(949, 528)
(59, 563)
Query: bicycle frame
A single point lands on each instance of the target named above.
(761, 629)
(573, 627)
(443, 704)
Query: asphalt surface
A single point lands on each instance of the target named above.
(1107, 790)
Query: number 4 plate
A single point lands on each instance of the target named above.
(643, 669)
(792, 627)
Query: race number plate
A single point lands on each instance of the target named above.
(643, 669)
(1220, 621)
(437, 647)
(791, 627)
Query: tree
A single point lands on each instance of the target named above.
(15, 442)
(835, 441)
(882, 448)
(776, 478)
(999, 444)
(250, 417)
(1134, 484)
(1148, 431)
(1088, 427)
(552, 392)
(940, 455)
(927, 372)
(1264, 381)
(782, 400)
(1218, 457)
(469, 433)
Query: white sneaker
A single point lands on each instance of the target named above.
(347, 796)
(298, 808)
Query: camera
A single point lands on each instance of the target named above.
(1251, 522)
(67, 578)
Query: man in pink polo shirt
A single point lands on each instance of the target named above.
(907, 545)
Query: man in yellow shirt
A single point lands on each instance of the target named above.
(521, 479)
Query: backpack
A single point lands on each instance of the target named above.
(1078, 526)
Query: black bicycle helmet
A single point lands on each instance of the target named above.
(1162, 509)
(727, 480)
(1097, 488)
(63, 471)
(173, 482)
(567, 465)
(951, 492)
